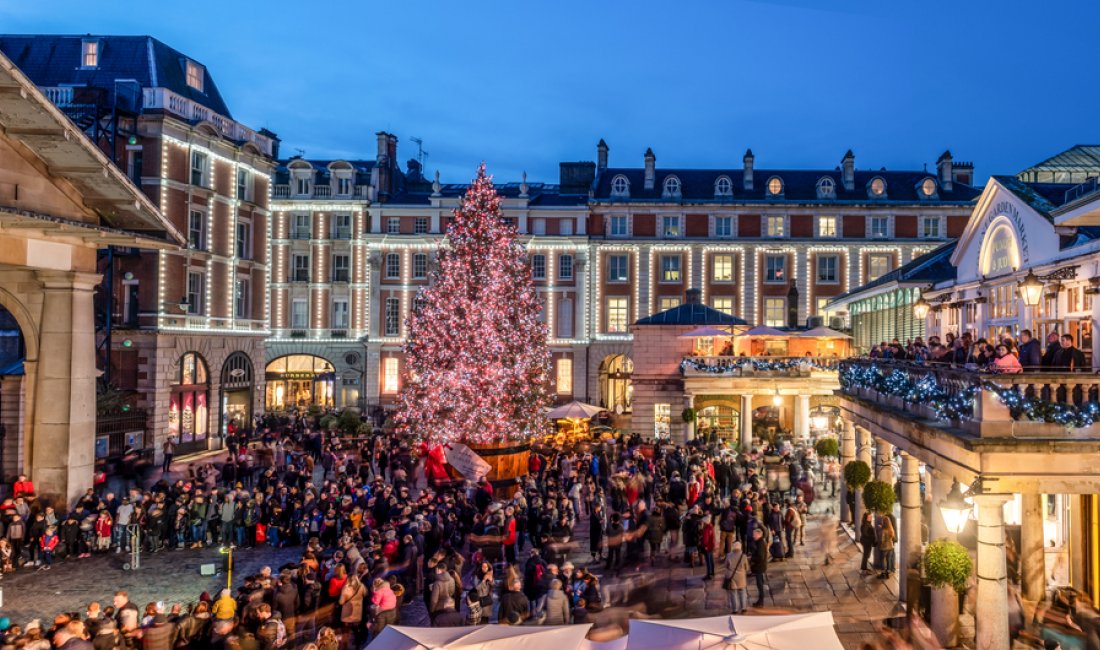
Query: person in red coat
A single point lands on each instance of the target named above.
(435, 465)
(47, 544)
(23, 487)
(707, 544)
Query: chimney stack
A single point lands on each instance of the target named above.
(650, 169)
(383, 146)
(601, 155)
(747, 175)
(943, 167)
(848, 171)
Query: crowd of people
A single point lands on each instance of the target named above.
(1003, 355)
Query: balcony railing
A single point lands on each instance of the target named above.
(1020, 405)
(282, 191)
(728, 366)
(162, 98)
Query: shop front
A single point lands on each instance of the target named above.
(236, 392)
(188, 409)
(299, 381)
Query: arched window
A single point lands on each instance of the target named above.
(616, 386)
(236, 399)
(620, 186)
(775, 186)
(826, 188)
(188, 419)
(723, 186)
(672, 187)
(928, 187)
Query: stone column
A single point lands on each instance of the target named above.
(847, 455)
(909, 533)
(746, 422)
(884, 461)
(802, 417)
(991, 610)
(945, 602)
(863, 453)
(1032, 559)
(689, 427)
(63, 439)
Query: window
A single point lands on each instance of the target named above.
(538, 267)
(928, 187)
(89, 54)
(877, 266)
(420, 226)
(420, 266)
(723, 186)
(667, 302)
(389, 375)
(878, 187)
(618, 225)
(136, 161)
(662, 421)
(565, 267)
(195, 76)
(672, 187)
(565, 376)
(196, 293)
(244, 240)
(298, 314)
(565, 227)
(821, 302)
(302, 228)
(196, 231)
(620, 186)
(343, 185)
(618, 268)
(393, 266)
(670, 268)
(827, 266)
(775, 312)
(198, 168)
(723, 227)
(930, 227)
(775, 268)
(538, 226)
(826, 227)
(670, 226)
(340, 268)
(301, 185)
(775, 186)
(722, 268)
(393, 226)
(244, 187)
(243, 298)
(301, 268)
(879, 227)
(393, 317)
(775, 226)
(565, 318)
(341, 226)
(826, 188)
(724, 305)
(617, 314)
(509, 221)
(339, 314)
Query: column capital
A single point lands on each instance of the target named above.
(68, 280)
(991, 500)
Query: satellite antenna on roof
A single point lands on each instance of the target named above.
(301, 153)
(420, 153)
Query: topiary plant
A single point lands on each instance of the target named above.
(327, 422)
(947, 564)
(348, 421)
(827, 447)
(879, 497)
(856, 474)
(688, 414)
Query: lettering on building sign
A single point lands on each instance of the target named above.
(1005, 249)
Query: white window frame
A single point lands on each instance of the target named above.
(565, 316)
(662, 420)
(391, 317)
(878, 218)
(302, 225)
(871, 257)
(821, 257)
(618, 225)
(924, 220)
(672, 226)
(420, 266)
(821, 232)
(672, 273)
(723, 187)
(664, 303)
(671, 188)
(564, 383)
(782, 257)
(393, 225)
(617, 310)
(538, 266)
(89, 53)
(613, 260)
(243, 240)
(341, 226)
(299, 318)
(295, 267)
(565, 227)
(393, 266)
(826, 188)
(242, 299)
(728, 220)
(565, 267)
(340, 317)
(302, 184)
(345, 267)
(391, 369)
(196, 218)
(772, 303)
(538, 226)
(720, 272)
(196, 293)
(771, 220)
(620, 186)
(244, 184)
(422, 226)
(200, 168)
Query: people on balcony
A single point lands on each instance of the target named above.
(1006, 361)
(1068, 357)
(1031, 357)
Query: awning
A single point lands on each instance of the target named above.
(764, 330)
(823, 332)
(704, 332)
(481, 637)
(794, 632)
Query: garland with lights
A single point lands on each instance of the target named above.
(746, 363)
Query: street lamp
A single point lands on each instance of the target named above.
(820, 422)
(955, 510)
(921, 308)
(1031, 289)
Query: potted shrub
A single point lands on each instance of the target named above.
(827, 447)
(879, 497)
(947, 564)
(856, 474)
(688, 414)
(349, 421)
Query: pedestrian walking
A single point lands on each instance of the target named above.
(735, 579)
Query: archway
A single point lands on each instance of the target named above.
(188, 408)
(13, 352)
(616, 386)
(236, 392)
(299, 381)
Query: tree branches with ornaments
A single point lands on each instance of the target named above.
(477, 361)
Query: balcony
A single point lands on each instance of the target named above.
(282, 191)
(164, 99)
(322, 191)
(729, 366)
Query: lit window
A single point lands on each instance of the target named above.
(723, 268)
(775, 186)
(878, 187)
(538, 226)
(196, 293)
(198, 168)
(724, 305)
(826, 227)
(389, 375)
(775, 226)
(723, 187)
(339, 314)
(662, 421)
(928, 187)
(565, 376)
(821, 302)
(618, 226)
(930, 227)
(668, 302)
(826, 188)
(340, 268)
(393, 226)
(538, 267)
(879, 227)
(775, 312)
(89, 57)
(420, 226)
(672, 187)
(420, 266)
(723, 227)
(196, 231)
(618, 268)
(565, 267)
(670, 268)
(775, 268)
(243, 298)
(877, 266)
(620, 186)
(195, 76)
(617, 314)
(393, 266)
(827, 268)
(670, 226)
(299, 314)
(393, 317)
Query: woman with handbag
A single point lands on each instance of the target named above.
(735, 580)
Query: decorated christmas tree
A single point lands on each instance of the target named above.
(477, 361)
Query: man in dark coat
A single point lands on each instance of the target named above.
(759, 564)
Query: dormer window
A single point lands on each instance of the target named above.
(620, 186)
(826, 188)
(928, 187)
(775, 186)
(723, 186)
(672, 187)
(195, 76)
(877, 187)
(89, 54)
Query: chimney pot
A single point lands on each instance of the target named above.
(601, 155)
(747, 174)
(945, 171)
(650, 169)
(848, 171)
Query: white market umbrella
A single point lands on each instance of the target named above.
(481, 637)
(574, 411)
(792, 632)
(822, 332)
(613, 644)
(764, 330)
(705, 332)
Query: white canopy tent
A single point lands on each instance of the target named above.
(764, 330)
(823, 332)
(574, 411)
(481, 637)
(793, 632)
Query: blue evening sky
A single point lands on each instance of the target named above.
(524, 85)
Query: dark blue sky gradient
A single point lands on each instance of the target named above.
(524, 85)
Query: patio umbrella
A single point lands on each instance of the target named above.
(481, 637)
(574, 411)
(822, 332)
(704, 332)
(764, 330)
(794, 632)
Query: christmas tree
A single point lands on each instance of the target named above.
(477, 361)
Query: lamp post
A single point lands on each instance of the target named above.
(921, 308)
(1031, 289)
(955, 510)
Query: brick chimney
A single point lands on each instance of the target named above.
(848, 171)
(650, 169)
(747, 175)
(944, 169)
(601, 155)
